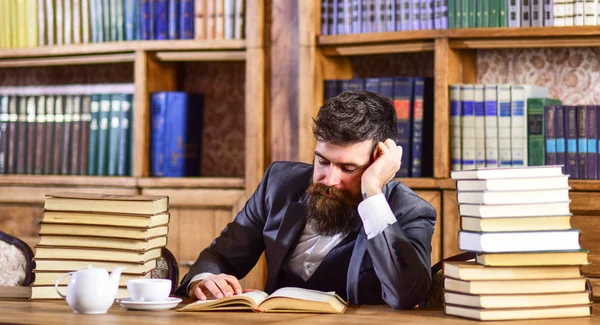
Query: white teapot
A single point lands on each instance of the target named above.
(91, 290)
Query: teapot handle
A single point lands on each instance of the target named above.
(58, 281)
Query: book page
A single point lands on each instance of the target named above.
(303, 294)
(256, 297)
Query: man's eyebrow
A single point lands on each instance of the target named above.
(343, 164)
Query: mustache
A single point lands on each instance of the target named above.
(324, 191)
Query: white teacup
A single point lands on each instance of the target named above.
(149, 289)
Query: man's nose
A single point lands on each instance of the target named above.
(333, 176)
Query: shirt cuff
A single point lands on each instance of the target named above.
(196, 278)
(376, 214)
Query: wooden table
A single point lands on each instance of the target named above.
(58, 312)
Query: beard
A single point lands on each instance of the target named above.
(331, 211)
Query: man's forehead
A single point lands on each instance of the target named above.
(350, 154)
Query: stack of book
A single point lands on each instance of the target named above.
(517, 220)
(103, 231)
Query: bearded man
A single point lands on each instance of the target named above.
(342, 224)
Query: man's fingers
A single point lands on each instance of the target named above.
(199, 294)
(225, 288)
(234, 283)
(212, 287)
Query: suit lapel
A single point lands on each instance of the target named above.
(292, 225)
(360, 247)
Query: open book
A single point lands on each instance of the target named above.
(284, 300)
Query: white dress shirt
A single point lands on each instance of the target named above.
(376, 215)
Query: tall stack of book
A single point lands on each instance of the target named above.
(103, 231)
(517, 220)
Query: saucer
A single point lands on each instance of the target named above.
(149, 305)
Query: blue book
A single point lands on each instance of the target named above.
(130, 20)
(403, 103)
(125, 123)
(443, 13)
(162, 20)
(398, 15)
(592, 135)
(390, 7)
(550, 134)
(92, 167)
(430, 14)
(324, 17)
(372, 85)
(422, 128)
(356, 16)
(353, 84)
(138, 20)
(415, 15)
(386, 88)
(331, 88)
(114, 133)
(186, 19)
(572, 163)
(582, 141)
(176, 140)
(145, 20)
(406, 13)
(561, 146)
(174, 6)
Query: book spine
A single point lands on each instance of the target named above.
(40, 125)
(4, 119)
(68, 22)
(372, 85)
(21, 23)
(518, 126)
(390, 11)
(485, 13)
(75, 137)
(466, 9)
(92, 166)
(59, 126)
(124, 135)
(152, 18)
(525, 13)
(324, 17)
(145, 20)
(85, 22)
(430, 15)
(572, 161)
(12, 136)
(186, 23)
(200, 19)
(229, 13)
(405, 13)
(59, 22)
(451, 14)
(559, 12)
(537, 12)
(467, 98)
(158, 108)
(107, 17)
(50, 22)
(162, 20)
(41, 23)
(347, 17)
(503, 13)
(356, 16)
(219, 19)
(504, 130)
(66, 148)
(491, 126)
(103, 129)
(536, 151)
(94, 29)
(548, 13)
(76, 16)
(578, 13)
(479, 125)
(210, 19)
(417, 127)
(494, 13)
(479, 14)
(21, 162)
(582, 141)
(49, 137)
(550, 134)
(591, 12)
(455, 128)
(514, 13)
(569, 12)
(403, 95)
(561, 143)
(31, 135)
(114, 134)
(415, 15)
(86, 118)
(173, 20)
(120, 20)
(458, 14)
(591, 135)
(444, 14)
(129, 12)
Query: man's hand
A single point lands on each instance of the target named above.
(386, 162)
(215, 286)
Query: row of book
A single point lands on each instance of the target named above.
(369, 16)
(413, 100)
(31, 23)
(67, 130)
(104, 231)
(528, 258)
(488, 124)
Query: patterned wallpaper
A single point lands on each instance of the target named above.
(570, 74)
(64, 75)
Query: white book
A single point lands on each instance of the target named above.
(467, 97)
(229, 13)
(518, 110)
(522, 241)
(548, 13)
(504, 113)
(479, 125)
(514, 13)
(569, 12)
(559, 9)
(491, 126)
(68, 22)
(537, 13)
(515, 210)
(455, 128)
(513, 184)
(590, 11)
(517, 301)
(514, 197)
(521, 172)
(578, 13)
(489, 314)
(526, 13)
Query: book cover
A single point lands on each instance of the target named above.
(75, 152)
(162, 20)
(31, 135)
(572, 161)
(186, 22)
(467, 97)
(91, 202)
(22, 141)
(550, 134)
(536, 148)
(40, 122)
(522, 241)
(85, 152)
(173, 21)
(455, 128)
(66, 148)
(561, 144)
(591, 160)
(403, 103)
(519, 112)
(59, 126)
(114, 133)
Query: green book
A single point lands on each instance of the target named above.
(106, 19)
(103, 125)
(465, 13)
(494, 18)
(536, 137)
(120, 21)
(479, 14)
(472, 13)
(451, 14)
(485, 12)
(503, 13)
(92, 165)
(114, 133)
(458, 13)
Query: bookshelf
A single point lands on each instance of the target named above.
(454, 55)
(201, 206)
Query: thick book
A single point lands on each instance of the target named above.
(106, 219)
(93, 254)
(491, 123)
(473, 271)
(455, 128)
(576, 257)
(550, 134)
(591, 158)
(514, 210)
(571, 158)
(527, 286)
(561, 147)
(522, 241)
(125, 136)
(517, 301)
(103, 135)
(74, 153)
(68, 266)
(521, 172)
(162, 20)
(467, 98)
(40, 125)
(514, 197)
(518, 313)
(140, 245)
(504, 125)
(86, 118)
(48, 292)
(283, 300)
(519, 112)
(582, 131)
(31, 135)
(66, 150)
(114, 134)
(43, 278)
(22, 141)
(186, 22)
(403, 99)
(59, 126)
(421, 163)
(131, 204)
(513, 184)
(103, 231)
(515, 224)
(536, 148)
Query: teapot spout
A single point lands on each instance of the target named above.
(113, 279)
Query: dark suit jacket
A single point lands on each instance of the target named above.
(275, 215)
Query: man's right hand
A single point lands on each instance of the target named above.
(215, 286)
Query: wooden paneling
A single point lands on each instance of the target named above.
(589, 226)
(21, 221)
(183, 198)
(435, 199)
(451, 224)
(37, 194)
(585, 202)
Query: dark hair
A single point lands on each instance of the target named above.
(356, 116)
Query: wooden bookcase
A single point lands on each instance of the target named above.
(200, 207)
(455, 60)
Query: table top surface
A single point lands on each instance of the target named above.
(58, 312)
